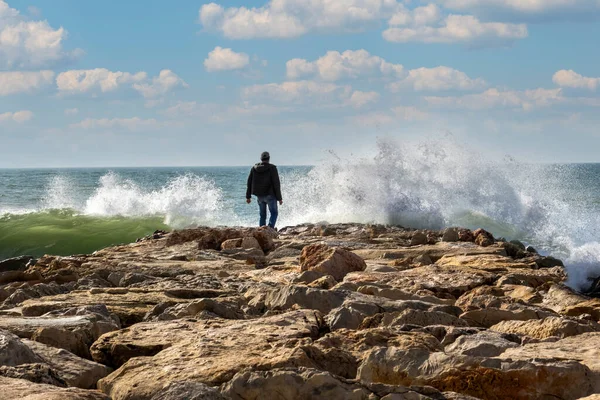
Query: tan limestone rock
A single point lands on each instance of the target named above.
(546, 328)
(331, 261)
(20, 389)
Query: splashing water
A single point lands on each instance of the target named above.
(431, 184)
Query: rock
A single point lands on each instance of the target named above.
(231, 244)
(483, 238)
(141, 340)
(491, 316)
(292, 385)
(304, 297)
(482, 344)
(324, 282)
(546, 328)
(465, 235)
(518, 244)
(20, 389)
(530, 249)
(215, 351)
(249, 242)
(73, 370)
(582, 348)
(421, 318)
(13, 352)
(419, 238)
(548, 262)
(450, 235)
(188, 391)
(36, 373)
(330, 261)
(16, 263)
(308, 277)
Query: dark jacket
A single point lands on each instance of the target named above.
(263, 181)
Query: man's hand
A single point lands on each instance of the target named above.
(248, 201)
(280, 202)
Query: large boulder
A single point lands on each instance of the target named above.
(13, 352)
(74, 370)
(336, 262)
(215, 351)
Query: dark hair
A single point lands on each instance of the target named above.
(265, 156)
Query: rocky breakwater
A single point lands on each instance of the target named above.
(309, 312)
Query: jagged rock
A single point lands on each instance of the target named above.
(215, 351)
(231, 244)
(73, 370)
(141, 340)
(292, 385)
(250, 242)
(188, 391)
(13, 352)
(36, 373)
(330, 261)
(304, 297)
(16, 264)
(450, 235)
(546, 328)
(488, 317)
(582, 348)
(20, 389)
(419, 238)
(421, 318)
(481, 344)
(324, 282)
(548, 262)
(483, 238)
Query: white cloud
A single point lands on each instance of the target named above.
(293, 18)
(494, 98)
(572, 79)
(219, 112)
(458, 29)
(221, 59)
(360, 99)
(299, 92)
(334, 66)
(23, 82)
(166, 81)
(131, 124)
(436, 79)
(19, 116)
(71, 111)
(83, 81)
(29, 44)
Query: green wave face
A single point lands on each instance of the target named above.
(63, 232)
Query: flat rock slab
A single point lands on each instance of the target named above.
(214, 353)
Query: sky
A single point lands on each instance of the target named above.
(192, 83)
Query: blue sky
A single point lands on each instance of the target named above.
(199, 83)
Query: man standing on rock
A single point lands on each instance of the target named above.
(263, 182)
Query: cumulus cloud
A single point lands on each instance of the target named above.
(494, 98)
(334, 66)
(221, 59)
(131, 124)
(83, 81)
(166, 81)
(18, 116)
(24, 82)
(293, 18)
(298, 92)
(572, 79)
(360, 99)
(454, 29)
(29, 44)
(103, 80)
(437, 79)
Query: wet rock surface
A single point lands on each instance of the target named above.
(342, 311)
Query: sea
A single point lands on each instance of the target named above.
(552, 207)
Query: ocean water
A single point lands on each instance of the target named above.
(435, 184)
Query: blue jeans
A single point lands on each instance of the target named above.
(271, 202)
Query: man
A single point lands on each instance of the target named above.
(263, 182)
